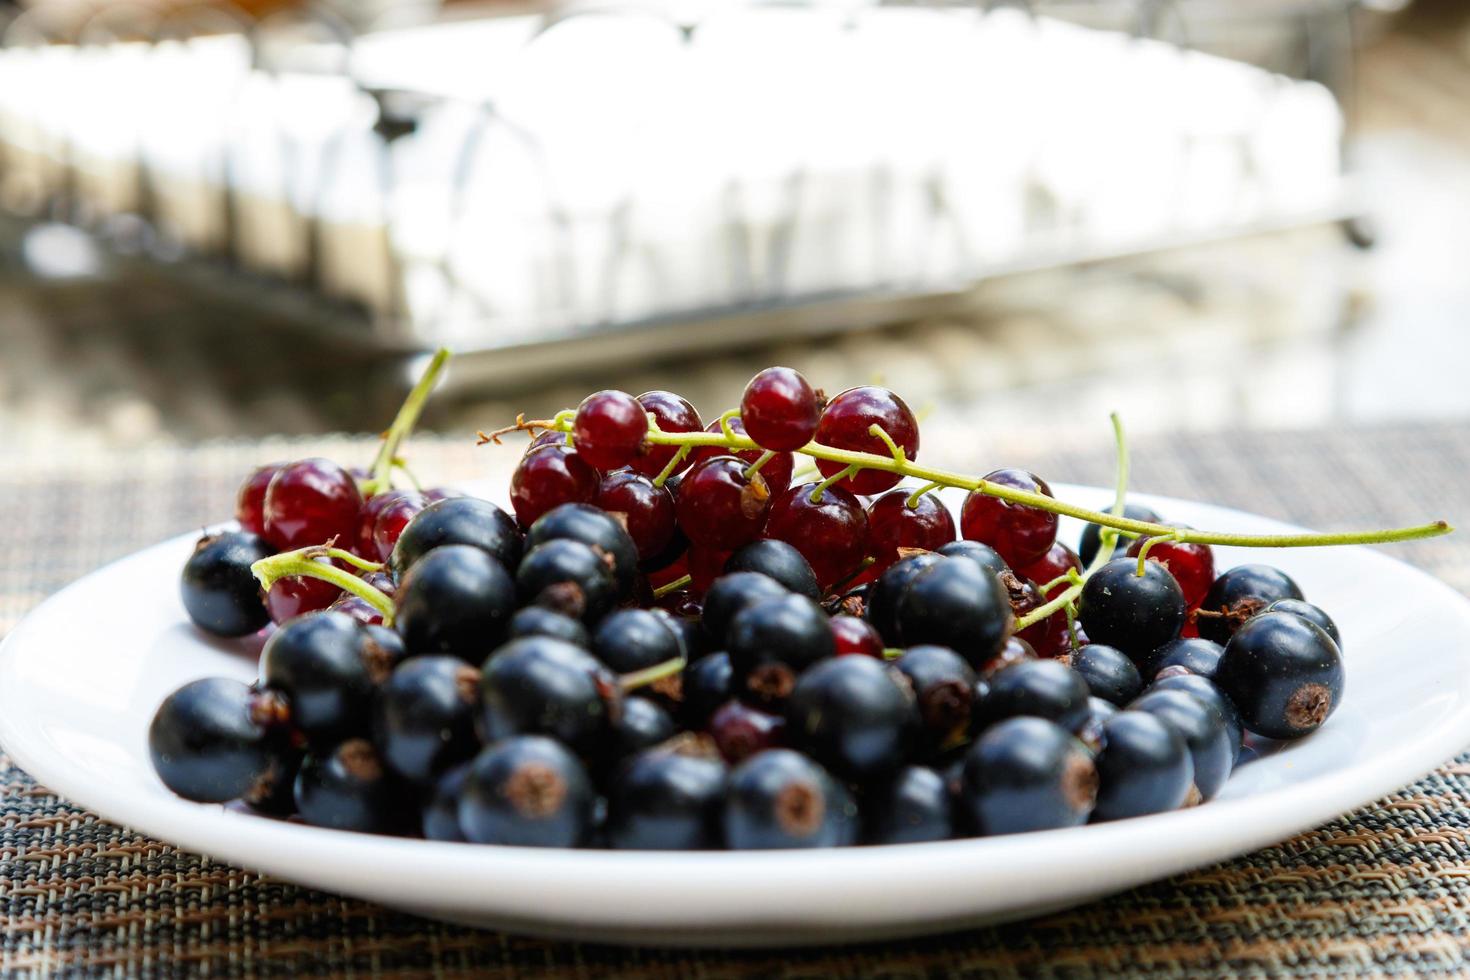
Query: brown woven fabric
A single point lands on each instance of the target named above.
(1384, 889)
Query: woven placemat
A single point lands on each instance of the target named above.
(1386, 888)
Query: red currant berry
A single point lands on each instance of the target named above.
(1058, 560)
(549, 477)
(293, 596)
(391, 520)
(367, 519)
(831, 534)
(705, 565)
(1015, 651)
(1192, 565)
(780, 409)
(673, 414)
(893, 524)
(740, 731)
(671, 572)
(358, 608)
(845, 425)
(250, 501)
(855, 636)
(647, 511)
(1020, 534)
(311, 501)
(549, 437)
(609, 429)
(720, 507)
(776, 471)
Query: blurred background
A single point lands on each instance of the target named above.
(224, 221)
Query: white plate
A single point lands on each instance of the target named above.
(81, 677)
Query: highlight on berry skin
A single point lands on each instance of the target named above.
(771, 626)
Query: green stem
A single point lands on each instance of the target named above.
(673, 465)
(755, 467)
(651, 675)
(303, 564)
(673, 586)
(899, 456)
(948, 478)
(1143, 551)
(841, 474)
(912, 503)
(403, 423)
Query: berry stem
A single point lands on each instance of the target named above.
(835, 477)
(1143, 550)
(673, 464)
(651, 675)
(302, 564)
(949, 478)
(755, 467)
(912, 503)
(673, 586)
(403, 423)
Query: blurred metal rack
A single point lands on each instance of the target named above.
(296, 167)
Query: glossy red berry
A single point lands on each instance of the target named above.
(390, 521)
(250, 501)
(740, 731)
(1020, 534)
(831, 534)
(720, 507)
(704, 565)
(309, 502)
(846, 424)
(1192, 565)
(367, 518)
(780, 409)
(549, 477)
(609, 429)
(290, 597)
(646, 511)
(853, 635)
(673, 414)
(548, 437)
(1058, 560)
(777, 470)
(893, 524)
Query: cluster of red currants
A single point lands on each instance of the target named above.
(673, 645)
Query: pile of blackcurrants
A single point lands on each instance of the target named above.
(679, 641)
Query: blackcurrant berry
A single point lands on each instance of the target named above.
(1203, 732)
(778, 560)
(1210, 695)
(672, 414)
(944, 690)
(1092, 534)
(1109, 673)
(641, 724)
(457, 600)
(527, 791)
(538, 621)
(1283, 673)
(910, 808)
(982, 554)
(609, 429)
(848, 714)
(458, 520)
(1134, 613)
(955, 603)
(1090, 731)
(218, 590)
(667, 801)
(1309, 612)
(731, 593)
(425, 719)
(846, 424)
(632, 639)
(311, 501)
(569, 577)
(598, 530)
(538, 685)
(1237, 595)
(740, 731)
(1186, 655)
(782, 799)
(771, 641)
(1144, 767)
(707, 683)
(780, 409)
(1041, 688)
(350, 789)
(440, 814)
(548, 477)
(329, 669)
(211, 740)
(882, 603)
(1026, 774)
(831, 533)
(1021, 534)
